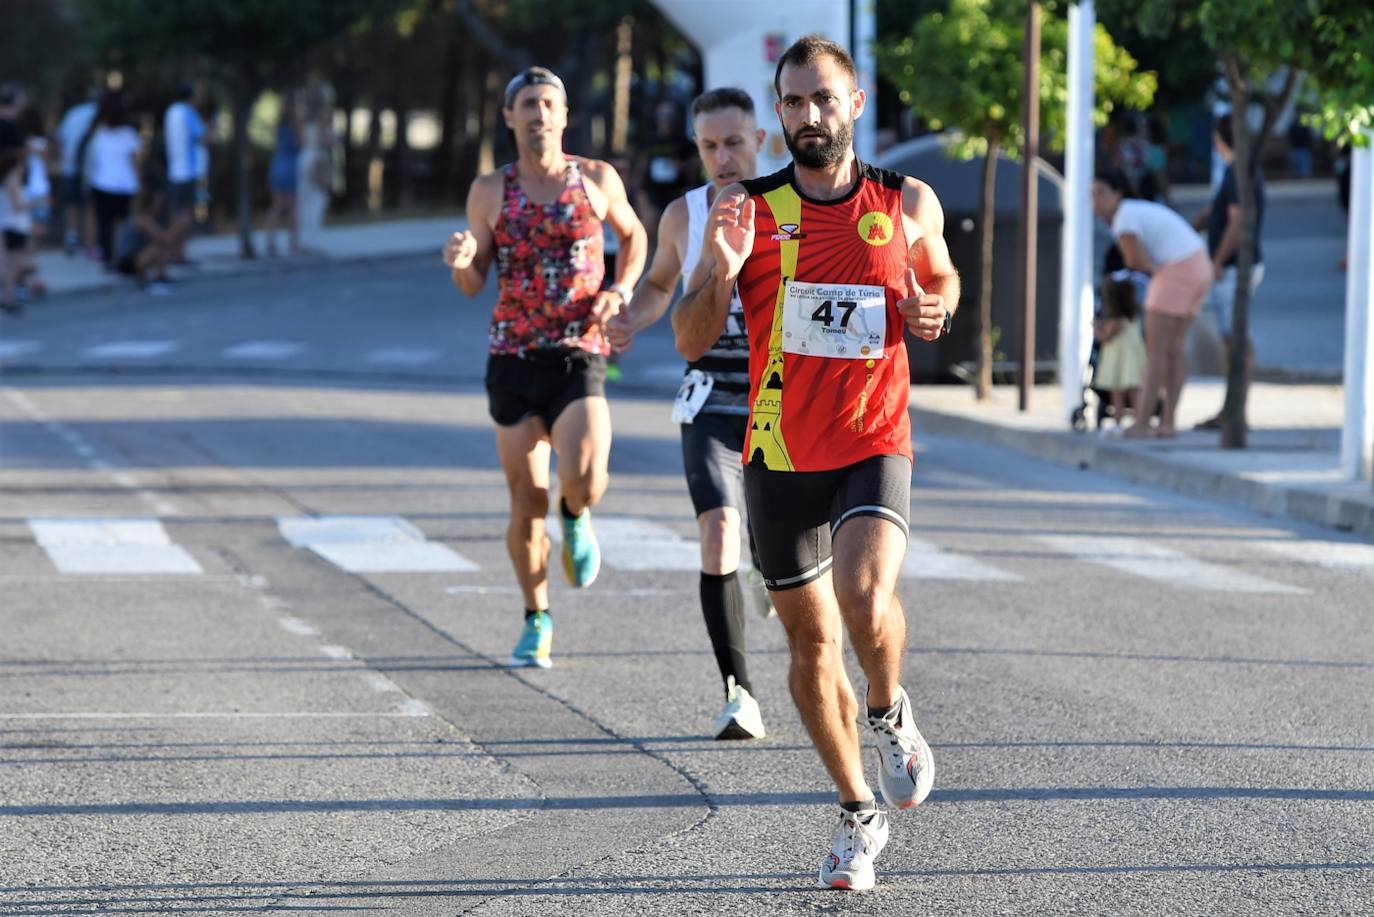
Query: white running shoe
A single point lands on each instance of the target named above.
(858, 839)
(906, 769)
(740, 718)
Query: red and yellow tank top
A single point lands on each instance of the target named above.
(829, 382)
(549, 268)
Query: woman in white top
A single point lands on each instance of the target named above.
(112, 161)
(1157, 241)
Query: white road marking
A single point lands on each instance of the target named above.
(263, 350)
(1335, 555)
(403, 356)
(293, 625)
(104, 545)
(336, 652)
(630, 543)
(925, 560)
(1140, 557)
(372, 544)
(408, 709)
(11, 349)
(130, 350)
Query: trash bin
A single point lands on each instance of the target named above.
(957, 183)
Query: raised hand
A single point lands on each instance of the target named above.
(460, 250)
(730, 232)
(924, 312)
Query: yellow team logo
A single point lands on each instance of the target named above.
(875, 228)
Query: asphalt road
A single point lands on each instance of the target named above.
(255, 594)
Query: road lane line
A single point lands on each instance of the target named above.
(130, 350)
(263, 350)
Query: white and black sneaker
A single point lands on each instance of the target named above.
(857, 840)
(906, 769)
(740, 718)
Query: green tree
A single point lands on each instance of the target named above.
(1332, 43)
(253, 41)
(961, 69)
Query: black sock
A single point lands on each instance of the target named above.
(531, 612)
(722, 606)
(563, 508)
(879, 713)
(863, 805)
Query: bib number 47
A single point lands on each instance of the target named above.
(825, 312)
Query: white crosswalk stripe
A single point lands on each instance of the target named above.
(631, 543)
(263, 350)
(130, 350)
(925, 560)
(11, 349)
(372, 544)
(1140, 557)
(402, 356)
(123, 546)
(1335, 555)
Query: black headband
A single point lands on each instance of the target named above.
(533, 76)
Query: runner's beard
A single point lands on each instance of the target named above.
(831, 151)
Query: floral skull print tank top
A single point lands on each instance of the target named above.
(549, 265)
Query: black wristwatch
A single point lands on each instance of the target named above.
(949, 323)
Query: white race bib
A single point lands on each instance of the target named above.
(846, 321)
(696, 386)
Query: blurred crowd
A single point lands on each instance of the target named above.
(124, 184)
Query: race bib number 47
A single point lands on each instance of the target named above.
(840, 320)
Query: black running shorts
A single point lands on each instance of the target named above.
(711, 448)
(541, 383)
(795, 514)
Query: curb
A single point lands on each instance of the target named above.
(1343, 507)
(241, 268)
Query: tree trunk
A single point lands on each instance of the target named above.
(987, 218)
(405, 166)
(1248, 156)
(452, 107)
(244, 94)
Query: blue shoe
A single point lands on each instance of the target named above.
(536, 643)
(581, 554)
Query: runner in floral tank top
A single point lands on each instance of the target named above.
(541, 220)
(549, 264)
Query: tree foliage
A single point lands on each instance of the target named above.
(962, 69)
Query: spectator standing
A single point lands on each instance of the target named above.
(1157, 241)
(315, 165)
(14, 225)
(1222, 219)
(187, 162)
(77, 218)
(114, 151)
(283, 177)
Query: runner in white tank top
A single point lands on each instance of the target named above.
(713, 403)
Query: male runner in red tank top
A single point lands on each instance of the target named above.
(540, 219)
(833, 259)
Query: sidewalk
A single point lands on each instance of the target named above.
(1291, 466)
(218, 255)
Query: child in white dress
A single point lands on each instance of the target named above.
(1121, 354)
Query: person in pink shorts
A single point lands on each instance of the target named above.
(1155, 240)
